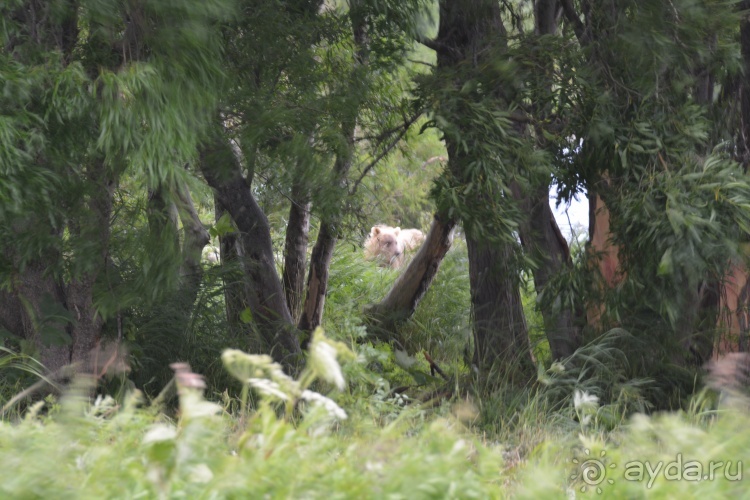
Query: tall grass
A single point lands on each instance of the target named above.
(286, 448)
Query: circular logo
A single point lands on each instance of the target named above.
(592, 471)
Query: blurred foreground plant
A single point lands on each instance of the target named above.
(260, 372)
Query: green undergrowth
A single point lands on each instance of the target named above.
(439, 327)
(366, 419)
(321, 436)
(670, 455)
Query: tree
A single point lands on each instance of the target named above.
(290, 112)
(91, 90)
(675, 198)
(528, 181)
(482, 150)
(312, 131)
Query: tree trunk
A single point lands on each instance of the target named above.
(703, 304)
(744, 132)
(85, 330)
(162, 263)
(162, 219)
(196, 237)
(468, 30)
(317, 278)
(87, 324)
(697, 325)
(39, 306)
(320, 260)
(265, 295)
(500, 335)
(544, 243)
(295, 249)
(709, 305)
(413, 283)
(61, 318)
(32, 311)
(229, 254)
(546, 16)
(540, 235)
(322, 253)
(182, 265)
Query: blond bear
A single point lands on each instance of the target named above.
(388, 244)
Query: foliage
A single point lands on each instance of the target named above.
(106, 106)
(691, 224)
(65, 117)
(679, 450)
(79, 448)
(114, 450)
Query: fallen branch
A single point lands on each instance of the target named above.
(434, 366)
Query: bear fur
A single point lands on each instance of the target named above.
(388, 245)
(210, 254)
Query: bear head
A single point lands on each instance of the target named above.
(385, 246)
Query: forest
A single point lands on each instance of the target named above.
(308, 248)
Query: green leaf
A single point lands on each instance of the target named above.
(223, 226)
(246, 316)
(666, 266)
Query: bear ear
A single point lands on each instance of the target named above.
(397, 230)
(375, 231)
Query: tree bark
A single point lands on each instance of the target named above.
(230, 253)
(181, 265)
(295, 249)
(544, 243)
(410, 287)
(26, 311)
(500, 335)
(86, 328)
(704, 303)
(540, 235)
(40, 285)
(744, 132)
(547, 16)
(265, 295)
(163, 234)
(196, 237)
(317, 278)
(162, 217)
(41, 307)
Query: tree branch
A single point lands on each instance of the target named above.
(572, 16)
(433, 160)
(386, 133)
(429, 65)
(514, 15)
(404, 129)
(434, 367)
(431, 44)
